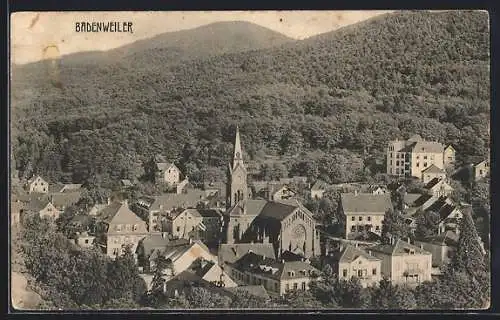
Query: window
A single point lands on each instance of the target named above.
(390, 155)
(360, 218)
(390, 162)
(353, 218)
(303, 286)
(397, 171)
(86, 241)
(44, 189)
(418, 157)
(135, 227)
(360, 273)
(397, 155)
(344, 273)
(295, 286)
(425, 157)
(115, 251)
(369, 218)
(397, 163)
(287, 287)
(480, 171)
(418, 164)
(118, 227)
(178, 229)
(377, 228)
(276, 287)
(353, 228)
(425, 164)
(374, 271)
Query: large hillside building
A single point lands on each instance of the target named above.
(411, 157)
(286, 224)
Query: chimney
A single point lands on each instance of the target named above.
(421, 246)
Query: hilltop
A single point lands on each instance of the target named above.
(341, 95)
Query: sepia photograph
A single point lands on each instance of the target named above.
(257, 160)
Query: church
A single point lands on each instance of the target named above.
(287, 224)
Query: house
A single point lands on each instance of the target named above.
(211, 271)
(438, 187)
(318, 189)
(350, 261)
(181, 257)
(481, 170)
(421, 203)
(283, 192)
(377, 189)
(41, 206)
(404, 263)
(151, 246)
(449, 156)
(159, 207)
(432, 172)
(168, 173)
(183, 186)
(277, 277)
(442, 247)
(409, 199)
(449, 214)
(185, 281)
(206, 222)
(126, 183)
(120, 227)
(230, 253)
(364, 212)
(37, 185)
(410, 157)
(63, 200)
(84, 239)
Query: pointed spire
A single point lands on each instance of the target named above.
(238, 154)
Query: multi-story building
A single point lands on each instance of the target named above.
(277, 277)
(364, 212)
(482, 170)
(404, 263)
(350, 261)
(37, 185)
(119, 227)
(410, 157)
(204, 224)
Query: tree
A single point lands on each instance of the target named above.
(427, 224)
(300, 299)
(351, 294)
(469, 256)
(389, 296)
(245, 300)
(394, 226)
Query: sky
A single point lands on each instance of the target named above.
(42, 35)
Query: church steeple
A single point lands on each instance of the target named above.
(237, 188)
(238, 153)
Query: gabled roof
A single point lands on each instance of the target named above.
(350, 253)
(65, 199)
(433, 169)
(229, 253)
(320, 185)
(158, 242)
(36, 204)
(32, 179)
(126, 183)
(422, 200)
(410, 198)
(252, 207)
(432, 183)
(175, 252)
(366, 203)
(170, 201)
(162, 166)
(119, 213)
(263, 265)
(199, 213)
(277, 210)
(56, 187)
(399, 248)
(291, 256)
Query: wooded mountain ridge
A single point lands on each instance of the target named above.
(335, 99)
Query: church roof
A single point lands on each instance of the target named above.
(229, 253)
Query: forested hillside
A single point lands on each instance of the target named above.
(338, 98)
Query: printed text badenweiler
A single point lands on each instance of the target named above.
(109, 26)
